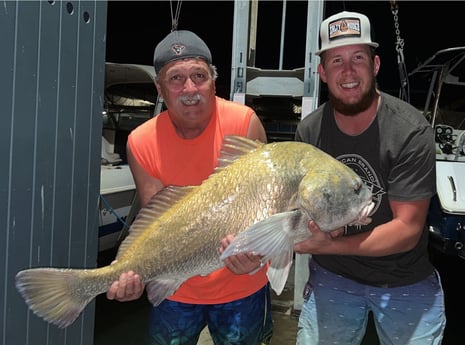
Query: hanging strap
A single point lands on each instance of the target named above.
(404, 92)
(175, 16)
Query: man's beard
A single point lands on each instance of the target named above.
(354, 109)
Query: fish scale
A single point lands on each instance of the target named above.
(264, 194)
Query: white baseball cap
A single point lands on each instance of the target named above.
(343, 29)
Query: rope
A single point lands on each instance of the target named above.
(175, 17)
(404, 92)
(112, 211)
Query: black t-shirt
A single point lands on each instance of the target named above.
(395, 156)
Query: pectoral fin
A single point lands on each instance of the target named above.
(273, 239)
(159, 289)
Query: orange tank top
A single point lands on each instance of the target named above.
(176, 161)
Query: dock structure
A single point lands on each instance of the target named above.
(289, 93)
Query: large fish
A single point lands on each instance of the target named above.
(177, 235)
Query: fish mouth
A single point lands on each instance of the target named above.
(363, 216)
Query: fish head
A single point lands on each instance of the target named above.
(333, 195)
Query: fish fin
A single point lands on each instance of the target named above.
(268, 238)
(273, 239)
(234, 146)
(158, 204)
(278, 271)
(159, 289)
(56, 295)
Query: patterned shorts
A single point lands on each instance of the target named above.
(242, 322)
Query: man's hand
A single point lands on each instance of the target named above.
(240, 263)
(319, 239)
(129, 287)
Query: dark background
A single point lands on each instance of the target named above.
(135, 27)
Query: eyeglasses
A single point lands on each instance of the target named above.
(178, 81)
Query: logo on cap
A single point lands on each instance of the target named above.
(346, 27)
(178, 48)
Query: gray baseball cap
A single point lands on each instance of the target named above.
(180, 44)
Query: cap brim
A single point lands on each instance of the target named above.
(346, 42)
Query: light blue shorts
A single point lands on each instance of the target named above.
(335, 311)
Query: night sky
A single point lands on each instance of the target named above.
(135, 27)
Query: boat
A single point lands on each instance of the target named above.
(130, 99)
(444, 75)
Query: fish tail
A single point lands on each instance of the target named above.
(56, 295)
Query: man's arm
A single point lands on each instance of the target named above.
(401, 234)
(129, 287)
(146, 185)
(256, 130)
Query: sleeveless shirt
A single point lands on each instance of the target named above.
(184, 162)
